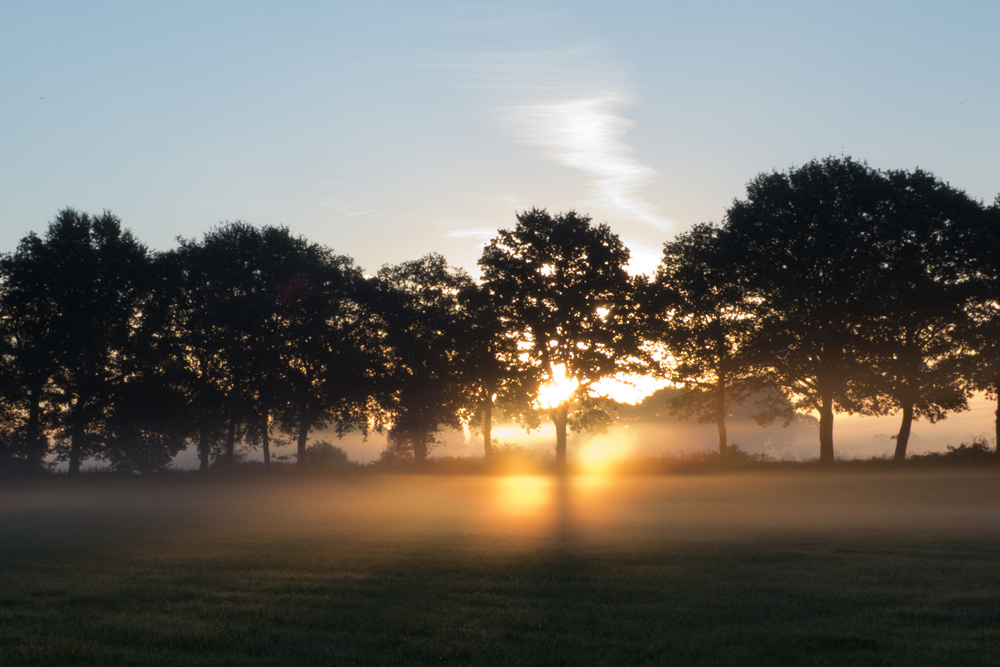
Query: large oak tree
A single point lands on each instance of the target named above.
(76, 296)
(926, 240)
(982, 338)
(425, 382)
(701, 314)
(807, 250)
(559, 286)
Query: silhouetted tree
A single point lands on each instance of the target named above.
(926, 241)
(147, 425)
(425, 382)
(80, 289)
(982, 337)
(329, 345)
(27, 364)
(270, 326)
(560, 287)
(807, 241)
(213, 280)
(149, 418)
(492, 355)
(702, 315)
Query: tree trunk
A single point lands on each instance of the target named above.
(720, 416)
(75, 443)
(265, 437)
(826, 430)
(203, 447)
(903, 437)
(488, 427)
(560, 416)
(36, 440)
(231, 442)
(303, 436)
(996, 422)
(723, 446)
(420, 448)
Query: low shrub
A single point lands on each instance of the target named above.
(977, 452)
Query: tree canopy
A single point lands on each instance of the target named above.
(560, 287)
(834, 285)
(703, 321)
(72, 300)
(426, 373)
(807, 240)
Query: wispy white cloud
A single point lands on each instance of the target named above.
(567, 103)
(355, 212)
(479, 233)
(587, 133)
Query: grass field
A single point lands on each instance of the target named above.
(769, 568)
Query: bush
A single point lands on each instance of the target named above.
(978, 452)
(325, 454)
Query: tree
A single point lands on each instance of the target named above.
(699, 312)
(149, 417)
(271, 334)
(89, 278)
(807, 250)
(560, 287)
(215, 277)
(27, 364)
(147, 425)
(982, 337)
(424, 379)
(329, 346)
(926, 241)
(492, 357)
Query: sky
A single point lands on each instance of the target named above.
(387, 130)
(390, 129)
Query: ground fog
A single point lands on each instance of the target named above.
(772, 567)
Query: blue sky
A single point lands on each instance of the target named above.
(387, 130)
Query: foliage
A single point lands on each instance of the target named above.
(274, 330)
(514, 457)
(561, 290)
(852, 289)
(492, 355)
(325, 454)
(703, 319)
(927, 243)
(74, 298)
(804, 249)
(982, 337)
(147, 427)
(977, 452)
(329, 345)
(425, 376)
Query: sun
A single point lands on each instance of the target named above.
(559, 388)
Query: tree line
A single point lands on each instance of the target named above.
(831, 287)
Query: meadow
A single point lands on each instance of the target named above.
(782, 567)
